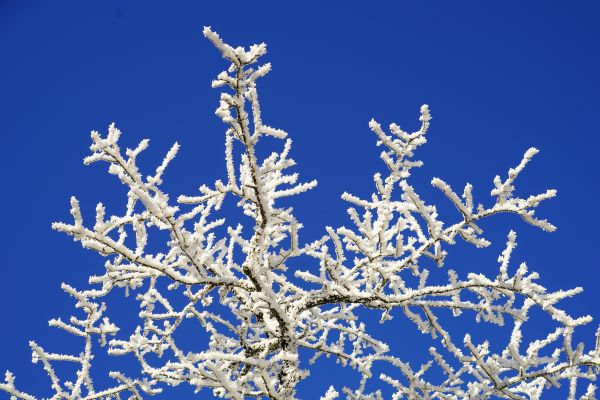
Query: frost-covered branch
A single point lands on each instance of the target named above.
(95, 324)
(258, 313)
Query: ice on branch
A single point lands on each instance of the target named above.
(94, 325)
(272, 305)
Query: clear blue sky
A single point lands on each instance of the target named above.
(499, 77)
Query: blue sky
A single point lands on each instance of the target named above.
(499, 77)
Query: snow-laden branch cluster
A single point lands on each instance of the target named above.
(259, 315)
(94, 325)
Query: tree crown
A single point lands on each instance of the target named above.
(268, 320)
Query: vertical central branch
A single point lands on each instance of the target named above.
(247, 141)
(254, 267)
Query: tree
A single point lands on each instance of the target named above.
(268, 320)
